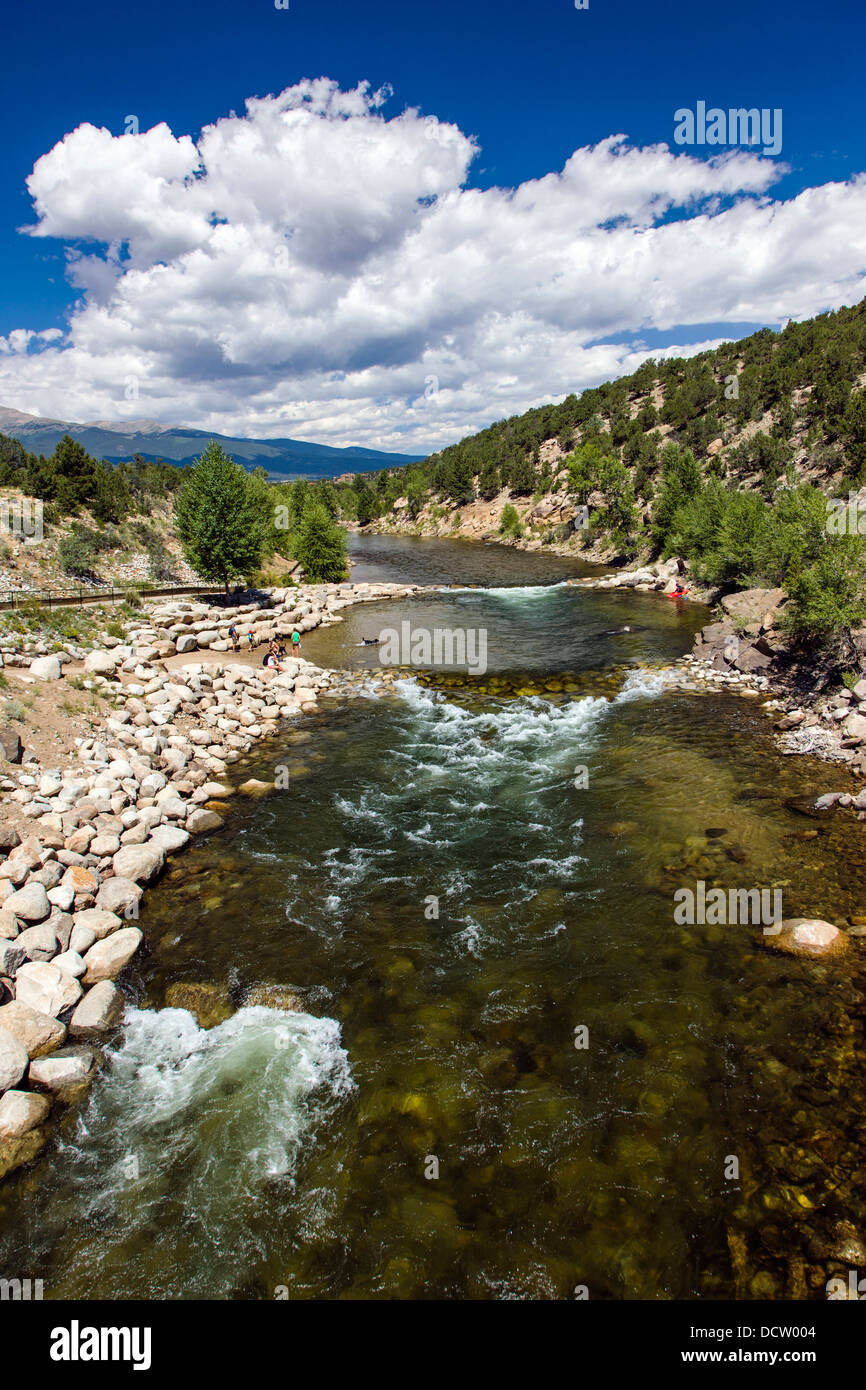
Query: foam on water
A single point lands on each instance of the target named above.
(642, 684)
(510, 591)
(190, 1126)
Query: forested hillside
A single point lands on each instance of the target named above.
(726, 458)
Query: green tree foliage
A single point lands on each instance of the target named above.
(223, 517)
(680, 481)
(74, 472)
(366, 506)
(522, 477)
(509, 522)
(299, 494)
(828, 597)
(320, 545)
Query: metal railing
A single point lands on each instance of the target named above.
(11, 599)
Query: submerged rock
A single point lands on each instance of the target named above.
(14, 1153)
(807, 936)
(253, 787)
(209, 1004)
(275, 997)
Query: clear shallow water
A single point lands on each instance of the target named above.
(290, 1149)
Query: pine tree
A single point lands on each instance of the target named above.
(74, 472)
(320, 545)
(489, 482)
(367, 506)
(222, 517)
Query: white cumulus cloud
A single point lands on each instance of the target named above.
(309, 267)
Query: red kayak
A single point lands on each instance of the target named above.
(683, 595)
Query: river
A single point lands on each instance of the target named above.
(506, 1072)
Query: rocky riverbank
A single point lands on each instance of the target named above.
(81, 843)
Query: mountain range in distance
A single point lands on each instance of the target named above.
(283, 458)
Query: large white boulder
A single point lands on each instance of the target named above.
(100, 663)
(42, 986)
(14, 1060)
(47, 668)
(106, 959)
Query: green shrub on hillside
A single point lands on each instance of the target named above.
(509, 522)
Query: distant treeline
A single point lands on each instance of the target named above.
(70, 479)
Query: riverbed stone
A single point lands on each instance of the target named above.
(38, 1032)
(10, 746)
(14, 1059)
(21, 1111)
(141, 863)
(66, 1074)
(80, 879)
(806, 936)
(100, 1009)
(39, 943)
(106, 959)
(119, 895)
(71, 962)
(201, 819)
(97, 920)
(100, 663)
(29, 903)
(9, 927)
(854, 727)
(12, 955)
(41, 985)
(169, 837)
(46, 668)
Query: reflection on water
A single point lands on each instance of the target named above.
(405, 560)
(445, 905)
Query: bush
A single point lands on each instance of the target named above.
(509, 522)
(77, 555)
(829, 595)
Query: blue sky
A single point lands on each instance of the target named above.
(530, 82)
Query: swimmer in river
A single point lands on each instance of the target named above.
(369, 642)
(615, 631)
